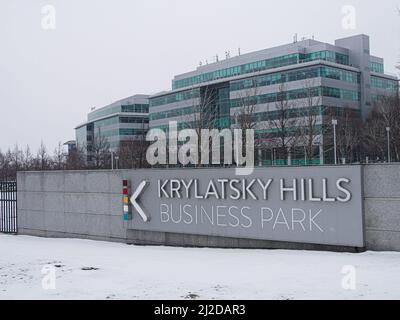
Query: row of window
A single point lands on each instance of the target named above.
(267, 98)
(376, 67)
(274, 115)
(172, 113)
(116, 120)
(301, 112)
(307, 73)
(276, 62)
(297, 94)
(132, 132)
(382, 83)
(181, 126)
(137, 108)
(106, 122)
(224, 111)
(133, 120)
(124, 132)
(327, 56)
(276, 132)
(258, 133)
(375, 98)
(175, 97)
(272, 63)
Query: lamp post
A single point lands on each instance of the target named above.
(334, 123)
(388, 142)
(117, 162)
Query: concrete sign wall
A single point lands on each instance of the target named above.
(88, 204)
(318, 205)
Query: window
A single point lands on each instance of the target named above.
(383, 83)
(308, 73)
(175, 97)
(135, 108)
(376, 67)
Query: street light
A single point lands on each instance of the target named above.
(334, 123)
(114, 160)
(388, 142)
(117, 162)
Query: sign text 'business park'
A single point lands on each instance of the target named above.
(305, 205)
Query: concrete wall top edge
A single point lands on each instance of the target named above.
(119, 171)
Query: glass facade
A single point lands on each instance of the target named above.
(133, 120)
(301, 74)
(117, 119)
(331, 56)
(218, 102)
(291, 113)
(297, 94)
(123, 132)
(223, 103)
(81, 134)
(276, 62)
(223, 107)
(105, 122)
(301, 112)
(113, 129)
(175, 97)
(376, 67)
(134, 108)
(181, 125)
(383, 83)
(268, 133)
(172, 113)
(132, 132)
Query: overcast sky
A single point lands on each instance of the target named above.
(102, 50)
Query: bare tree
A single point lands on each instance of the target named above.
(247, 106)
(374, 135)
(132, 152)
(17, 158)
(348, 134)
(385, 114)
(348, 137)
(28, 159)
(76, 159)
(59, 157)
(42, 161)
(204, 116)
(100, 152)
(282, 126)
(246, 117)
(310, 120)
(4, 166)
(205, 113)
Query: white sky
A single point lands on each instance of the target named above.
(102, 51)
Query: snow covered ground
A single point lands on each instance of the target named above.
(99, 270)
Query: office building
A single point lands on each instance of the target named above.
(121, 122)
(326, 80)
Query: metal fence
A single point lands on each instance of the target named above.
(8, 207)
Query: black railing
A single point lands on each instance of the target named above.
(8, 207)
